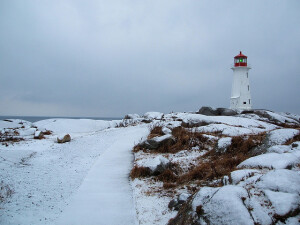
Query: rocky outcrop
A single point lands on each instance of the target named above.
(209, 111)
(64, 138)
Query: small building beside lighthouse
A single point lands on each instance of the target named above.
(240, 92)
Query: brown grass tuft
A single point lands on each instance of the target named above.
(217, 165)
(155, 131)
(138, 172)
(167, 176)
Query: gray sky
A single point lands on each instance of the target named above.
(110, 58)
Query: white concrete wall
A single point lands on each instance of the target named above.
(240, 91)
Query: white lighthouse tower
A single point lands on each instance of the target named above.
(240, 93)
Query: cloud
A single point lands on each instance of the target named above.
(109, 58)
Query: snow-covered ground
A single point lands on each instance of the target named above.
(86, 181)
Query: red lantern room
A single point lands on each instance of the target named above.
(240, 60)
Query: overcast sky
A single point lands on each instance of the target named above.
(110, 58)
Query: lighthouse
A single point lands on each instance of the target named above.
(240, 92)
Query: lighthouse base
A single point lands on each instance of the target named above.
(236, 103)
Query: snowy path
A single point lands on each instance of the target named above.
(105, 197)
(94, 166)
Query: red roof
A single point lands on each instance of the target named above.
(240, 55)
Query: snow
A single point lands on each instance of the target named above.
(152, 163)
(86, 181)
(217, 200)
(166, 130)
(46, 176)
(77, 127)
(280, 136)
(224, 142)
(162, 138)
(153, 115)
(283, 202)
(272, 160)
(105, 192)
(239, 175)
(282, 180)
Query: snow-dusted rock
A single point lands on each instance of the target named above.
(27, 132)
(239, 175)
(223, 143)
(155, 142)
(272, 160)
(222, 205)
(156, 165)
(38, 135)
(283, 203)
(207, 111)
(63, 138)
(279, 149)
(280, 136)
(282, 180)
(166, 130)
(153, 115)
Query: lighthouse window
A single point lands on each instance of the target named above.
(247, 77)
(248, 89)
(249, 101)
(245, 103)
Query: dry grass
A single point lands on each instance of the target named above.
(139, 172)
(185, 139)
(47, 132)
(155, 131)
(217, 165)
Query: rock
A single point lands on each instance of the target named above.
(156, 165)
(131, 116)
(175, 204)
(156, 142)
(223, 144)
(38, 135)
(207, 111)
(294, 145)
(226, 112)
(64, 138)
(166, 130)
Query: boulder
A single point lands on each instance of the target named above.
(175, 204)
(38, 135)
(64, 138)
(156, 165)
(226, 112)
(156, 142)
(207, 111)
